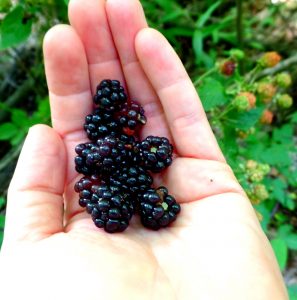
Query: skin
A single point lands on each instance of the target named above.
(216, 248)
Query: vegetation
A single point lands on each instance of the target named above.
(242, 62)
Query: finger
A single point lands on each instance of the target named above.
(89, 20)
(69, 89)
(187, 121)
(35, 202)
(126, 19)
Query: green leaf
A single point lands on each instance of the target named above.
(14, 28)
(283, 134)
(19, 118)
(278, 188)
(207, 14)
(281, 252)
(1, 238)
(2, 202)
(18, 138)
(66, 2)
(212, 93)
(7, 131)
(276, 155)
(245, 120)
(292, 290)
(2, 221)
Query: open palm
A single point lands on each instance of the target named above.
(215, 249)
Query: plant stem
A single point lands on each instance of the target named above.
(200, 79)
(239, 31)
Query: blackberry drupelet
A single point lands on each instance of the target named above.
(110, 95)
(110, 209)
(155, 153)
(100, 124)
(131, 117)
(157, 208)
(81, 164)
(131, 180)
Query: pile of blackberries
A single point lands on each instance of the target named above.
(116, 166)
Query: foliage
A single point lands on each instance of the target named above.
(234, 62)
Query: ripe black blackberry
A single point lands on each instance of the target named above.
(131, 180)
(100, 124)
(86, 187)
(110, 209)
(110, 95)
(110, 154)
(131, 117)
(157, 208)
(155, 153)
(81, 164)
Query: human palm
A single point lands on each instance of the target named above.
(214, 250)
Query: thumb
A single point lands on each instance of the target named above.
(35, 201)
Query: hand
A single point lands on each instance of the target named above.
(52, 250)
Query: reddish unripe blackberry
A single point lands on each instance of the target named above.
(155, 153)
(157, 208)
(110, 95)
(131, 117)
(100, 124)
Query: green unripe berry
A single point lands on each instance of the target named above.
(237, 54)
(241, 103)
(260, 192)
(285, 101)
(284, 80)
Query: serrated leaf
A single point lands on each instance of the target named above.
(7, 131)
(14, 30)
(245, 120)
(276, 155)
(281, 252)
(283, 134)
(212, 94)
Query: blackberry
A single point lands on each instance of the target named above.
(131, 117)
(100, 124)
(86, 187)
(108, 155)
(81, 164)
(110, 95)
(132, 180)
(155, 153)
(110, 209)
(157, 208)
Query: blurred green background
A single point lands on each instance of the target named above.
(242, 59)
